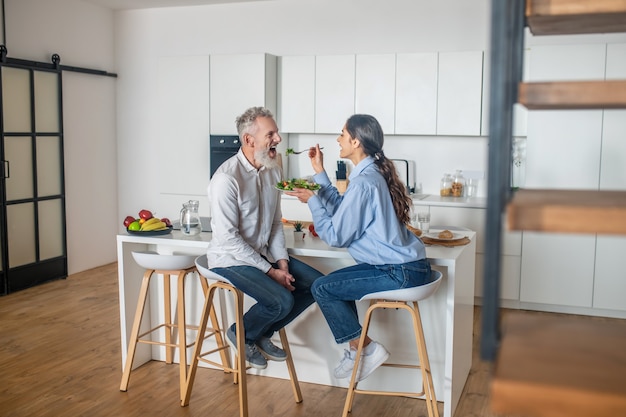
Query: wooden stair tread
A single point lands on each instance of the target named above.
(568, 211)
(553, 365)
(559, 17)
(573, 95)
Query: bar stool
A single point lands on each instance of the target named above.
(406, 299)
(165, 266)
(239, 368)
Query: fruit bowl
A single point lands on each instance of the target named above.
(150, 232)
(153, 260)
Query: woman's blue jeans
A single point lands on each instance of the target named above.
(337, 292)
(275, 305)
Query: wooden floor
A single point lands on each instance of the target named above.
(60, 356)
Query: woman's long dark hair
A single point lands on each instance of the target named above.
(367, 129)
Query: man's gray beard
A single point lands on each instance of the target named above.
(265, 160)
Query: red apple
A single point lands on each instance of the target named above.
(145, 214)
(128, 220)
(167, 221)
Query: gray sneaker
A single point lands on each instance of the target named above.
(253, 356)
(270, 350)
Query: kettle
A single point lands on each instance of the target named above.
(190, 219)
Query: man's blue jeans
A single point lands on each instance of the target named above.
(275, 305)
(336, 292)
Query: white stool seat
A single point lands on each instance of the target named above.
(202, 264)
(153, 260)
(408, 294)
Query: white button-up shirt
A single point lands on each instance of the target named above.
(246, 217)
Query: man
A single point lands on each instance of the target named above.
(248, 244)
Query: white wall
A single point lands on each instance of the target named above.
(82, 34)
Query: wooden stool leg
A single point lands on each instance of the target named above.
(353, 383)
(197, 350)
(167, 308)
(295, 385)
(182, 333)
(134, 334)
(427, 377)
(240, 358)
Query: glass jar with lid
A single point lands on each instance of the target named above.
(458, 184)
(445, 190)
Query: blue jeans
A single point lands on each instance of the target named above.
(275, 305)
(337, 292)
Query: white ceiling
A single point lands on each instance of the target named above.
(147, 4)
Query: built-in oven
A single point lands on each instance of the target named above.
(222, 147)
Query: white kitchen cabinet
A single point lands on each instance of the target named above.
(460, 88)
(296, 94)
(416, 94)
(334, 92)
(560, 132)
(609, 282)
(557, 269)
(474, 219)
(183, 103)
(520, 113)
(375, 88)
(612, 173)
(237, 83)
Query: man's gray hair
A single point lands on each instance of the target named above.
(245, 122)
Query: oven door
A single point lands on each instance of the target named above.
(222, 148)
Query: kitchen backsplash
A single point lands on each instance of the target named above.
(433, 156)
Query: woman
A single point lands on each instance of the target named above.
(370, 221)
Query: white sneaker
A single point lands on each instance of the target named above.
(369, 362)
(344, 369)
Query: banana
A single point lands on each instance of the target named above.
(153, 224)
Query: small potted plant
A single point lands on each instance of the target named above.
(298, 233)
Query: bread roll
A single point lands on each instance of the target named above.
(446, 234)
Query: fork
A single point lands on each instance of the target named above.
(298, 153)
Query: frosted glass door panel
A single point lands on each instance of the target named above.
(18, 153)
(50, 229)
(48, 166)
(46, 102)
(21, 234)
(16, 99)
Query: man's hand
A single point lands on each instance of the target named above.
(282, 276)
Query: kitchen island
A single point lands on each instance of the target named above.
(447, 316)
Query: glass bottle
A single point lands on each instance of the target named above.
(445, 190)
(190, 219)
(458, 184)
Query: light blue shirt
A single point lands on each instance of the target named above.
(363, 220)
(245, 215)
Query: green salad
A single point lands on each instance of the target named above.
(288, 185)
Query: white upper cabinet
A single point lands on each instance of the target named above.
(296, 94)
(237, 83)
(376, 88)
(416, 94)
(183, 102)
(334, 92)
(460, 93)
(553, 133)
(613, 173)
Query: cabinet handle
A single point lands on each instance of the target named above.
(6, 172)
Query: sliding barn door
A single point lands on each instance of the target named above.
(32, 212)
